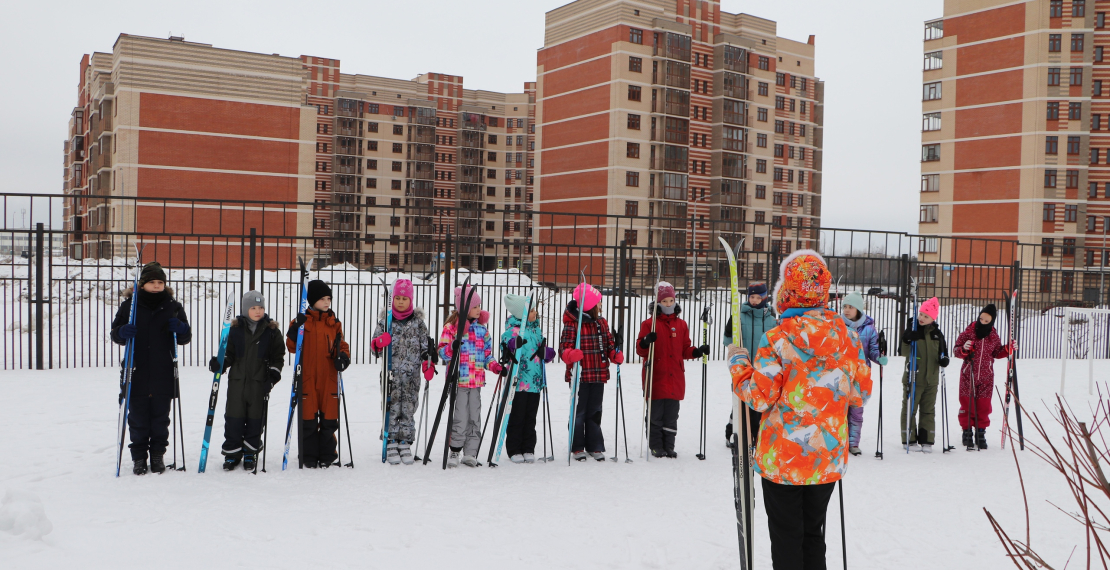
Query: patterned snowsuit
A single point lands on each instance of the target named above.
(477, 353)
(409, 347)
(520, 436)
(978, 362)
(597, 344)
(869, 338)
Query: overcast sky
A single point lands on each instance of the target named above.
(868, 54)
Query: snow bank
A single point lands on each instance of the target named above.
(22, 514)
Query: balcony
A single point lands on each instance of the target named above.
(471, 175)
(422, 135)
(422, 170)
(347, 108)
(673, 74)
(675, 103)
(103, 160)
(472, 122)
(423, 116)
(470, 192)
(472, 157)
(733, 199)
(347, 169)
(472, 139)
(734, 59)
(422, 152)
(672, 46)
(733, 118)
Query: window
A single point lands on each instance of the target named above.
(1048, 213)
(761, 114)
(1069, 250)
(930, 183)
(372, 165)
(780, 126)
(929, 213)
(634, 92)
(930, 122)
(1098, 51)
(398, 129)
(1071, 179)
(1054, 76)
(762, 89)
(761, 166)
(636, 64)
(1054, 42)
(397, 166)
(1050, 179)
(777, 198)
(1071, 212)
(764, 63)
(778, 151)
(493, 139)
(1096, 122)
(372, 145)
(1078, 8)
(934, 60)
(1076, 77)
(636, 36)
(1091, 224)
(1056, 9)
(780, 102)
(761, 192)
(1051, 145)
(631, 178)
(1077, 42)
(630, 237)
(398, 111)
(931, 92)
(761, 140)
(758, 245)
(631, 208)
(778, 178)
(780, 79)
(633, 122)
(1073, 145)
(371, 182)
(633, 150)
(1100, 20)
(1075, 111)
(1094, 156)
(1048, 247)
(1097, 89)
(397, 147)
(1092, 192)
(1053, 111)
(930, 152)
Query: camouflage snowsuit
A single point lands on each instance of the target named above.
(408, 350)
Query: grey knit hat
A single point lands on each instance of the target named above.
(252, 299)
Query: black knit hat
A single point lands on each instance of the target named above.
(151, 272)
(757, 289)
(990, 310)
(317, 290)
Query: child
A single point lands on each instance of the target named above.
(977, 346)
(158, 317)
(255, 353)
(756, 318)
(527, 341)
(324, 354)
(409, 356)
(864, 327)
(475, 357)
(598, 349)
(932, 355)
(668, 376)
(804, 375)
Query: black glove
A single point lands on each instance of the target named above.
(342, 361)
(911, 335)
(456, 345)
(728, 328)
(291, 334)
(432, 352)
(128, 331)
(882, 343)
(519, 341)
(178, 327)
(214, 365)
(647, 340)
(507, 355)
(944, 361)
(701, 351)
(275, 377)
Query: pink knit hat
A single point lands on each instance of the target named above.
(592, 295)
(402, 288)
(663, 290)
(931, 308)
(475, 299)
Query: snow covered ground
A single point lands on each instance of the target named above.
(918, 511)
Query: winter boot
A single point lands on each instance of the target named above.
(232, 461)
(855, 451)
(140, 467)
(392, 454)
(157, 464)
(659, 453)
(671, 454)
(981, 438)
(453, 460)
(518, 458)
(968, 442)
(926, 448)
(470, 461)
(529, 458)
(728, 435)
(405, 451)
(250, 461)
(598, 455)
(912, 446)
(579, 455)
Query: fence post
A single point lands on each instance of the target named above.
(253, 245)
(446, 277)
(38, 296)
(621, 308)
(903, 296)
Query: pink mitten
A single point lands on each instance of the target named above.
(572, 355)
(429, 370)
(494, 367)
(381, 341)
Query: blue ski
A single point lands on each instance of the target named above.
(213, 398)
(293, 397)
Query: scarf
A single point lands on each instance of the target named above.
(402, 316)
(983, 331)
(152, 300)
(667, 310)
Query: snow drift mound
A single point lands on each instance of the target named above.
(22, 514)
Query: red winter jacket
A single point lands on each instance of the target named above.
(672, 346)
(979, 360)
(597, 344)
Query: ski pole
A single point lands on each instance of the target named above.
(346, 422)
(265, 431)
(879, 436)
(422, 420)
(843, 535)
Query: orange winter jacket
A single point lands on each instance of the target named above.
(320, 384)
(805, 374)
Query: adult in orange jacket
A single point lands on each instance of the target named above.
(324, 353)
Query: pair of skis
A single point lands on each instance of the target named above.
(128, 364)
(387, 372)
(1011, 378)
(451, 381)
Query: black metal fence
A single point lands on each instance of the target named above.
(61, 280)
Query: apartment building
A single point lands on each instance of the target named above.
(698, 121)
(383, 162)
(1016, 133)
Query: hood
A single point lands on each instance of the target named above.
(570, 315)
(815, 333)
(417, 312)
(861, 323)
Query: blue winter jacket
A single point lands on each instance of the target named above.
(754, 324)
(531, 363)
(868, 336)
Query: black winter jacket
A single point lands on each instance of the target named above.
(154, 349)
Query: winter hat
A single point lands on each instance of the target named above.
(475, 299)
(804, 281)
(592, 295)
(854, 299)
(402, 288)
(931, 308)
(151, 272)
(252, 299)
(663, 290)
(517, 306)
(991, 310)
(757, 289)
(317, 290)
